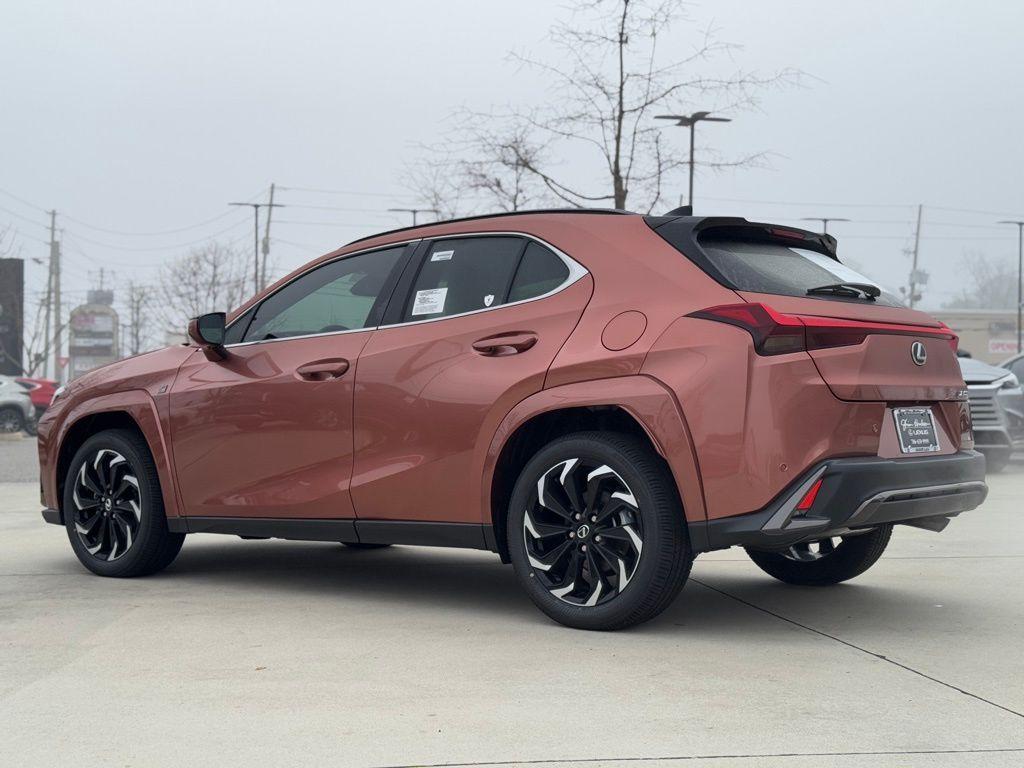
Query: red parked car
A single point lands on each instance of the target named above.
(595, 396)
(40, 391)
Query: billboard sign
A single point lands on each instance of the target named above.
(93, 338)
(12, 315)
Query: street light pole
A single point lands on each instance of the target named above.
(414, 211)
(1020, 275)
(256, 239)
(690, 121)
(824, 221)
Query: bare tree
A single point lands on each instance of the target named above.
(611, 77)
(990, 283)
(213, 277)
(137, 303)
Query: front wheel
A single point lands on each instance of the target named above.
(596, 532)
(113, 508)
(827, 561)
(11, 420)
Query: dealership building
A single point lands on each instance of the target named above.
(988, 334)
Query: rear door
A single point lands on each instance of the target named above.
(470, 334)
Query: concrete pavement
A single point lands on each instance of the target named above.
(280, 653)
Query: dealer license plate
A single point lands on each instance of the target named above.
(916, 430)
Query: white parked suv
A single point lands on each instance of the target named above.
(16, 409)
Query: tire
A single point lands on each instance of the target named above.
(127, 536)
(633, 557)
(11, 420)
(363, 545)
(32, 427)
(820, 564)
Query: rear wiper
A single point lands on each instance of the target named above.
(866, 290)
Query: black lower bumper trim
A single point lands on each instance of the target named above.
(856, 493)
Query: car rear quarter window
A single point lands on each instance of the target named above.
(539, 272)
(464, 275)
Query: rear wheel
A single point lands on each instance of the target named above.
(113, 508)
(596, 532)
(826, 561)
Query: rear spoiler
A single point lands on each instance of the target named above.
(694, 230)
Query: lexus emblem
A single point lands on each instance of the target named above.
(583, 531)
(918, 353)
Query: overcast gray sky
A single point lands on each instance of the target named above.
(148, 117)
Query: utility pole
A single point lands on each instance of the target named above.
(690, 121)
(45, 351)
(1020, 276)
(915, 277)
(414, 211)
(58, 372)
(256, 287)
(266, 240)
(824, 221)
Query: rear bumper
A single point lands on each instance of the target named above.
(856, 493)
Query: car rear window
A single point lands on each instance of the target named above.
(766, 266)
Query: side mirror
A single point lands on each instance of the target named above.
(208, 332)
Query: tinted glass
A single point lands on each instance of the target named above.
(1017, 367)
(778, 269)
(540, 272)
(463, 275)
(335, 297)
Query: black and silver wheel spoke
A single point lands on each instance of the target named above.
(583, 532)
(108, 505)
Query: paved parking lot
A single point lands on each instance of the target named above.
(278, 653)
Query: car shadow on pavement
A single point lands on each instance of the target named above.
(475, 583)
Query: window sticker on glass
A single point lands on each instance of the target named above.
(429, 302)
(442, 256)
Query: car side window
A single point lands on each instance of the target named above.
(338, 296)
(539, 272)
(462, 275)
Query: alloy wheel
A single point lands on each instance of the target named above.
(10, 422)
(583, 532)
(108, 505)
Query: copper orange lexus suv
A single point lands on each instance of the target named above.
(595, 396)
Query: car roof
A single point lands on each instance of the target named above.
(499, 215)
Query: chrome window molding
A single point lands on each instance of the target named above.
(576, 272)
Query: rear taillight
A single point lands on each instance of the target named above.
(775, 333)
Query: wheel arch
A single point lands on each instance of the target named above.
(132, 411)
(636, 405)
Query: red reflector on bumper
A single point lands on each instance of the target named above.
(808, 500)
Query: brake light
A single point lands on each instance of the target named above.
(775, 333)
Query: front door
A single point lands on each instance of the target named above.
(472, 336)
(267, 432)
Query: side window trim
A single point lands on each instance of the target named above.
(376, 311)
(400, 300)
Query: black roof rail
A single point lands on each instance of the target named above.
(499, 214)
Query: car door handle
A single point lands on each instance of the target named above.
(322, 370)
(505, 344)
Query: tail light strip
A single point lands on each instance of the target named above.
(775, 333)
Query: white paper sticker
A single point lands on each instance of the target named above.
(442, 256)
(429, 302)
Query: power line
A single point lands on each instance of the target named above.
(176, 246)
(344, 192)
